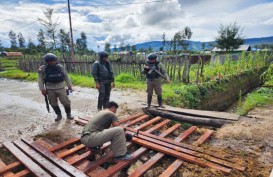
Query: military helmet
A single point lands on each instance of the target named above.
(49, 57)
(103, 54)
(152, 56)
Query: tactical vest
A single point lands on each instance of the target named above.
(53, 74)
(152, 74)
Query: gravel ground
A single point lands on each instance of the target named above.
(23, 111)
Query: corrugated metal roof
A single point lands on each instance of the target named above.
(241, 48)
(13, 54)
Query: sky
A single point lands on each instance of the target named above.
(137, 21)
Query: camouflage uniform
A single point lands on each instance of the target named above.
(103, 74)
(55, 87)
(154, 76)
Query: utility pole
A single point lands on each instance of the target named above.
(71, 33)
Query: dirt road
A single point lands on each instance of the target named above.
(23, 111)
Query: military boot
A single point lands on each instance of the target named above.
(149, 100)
(159, 99)
(57, 110)
(68, 113)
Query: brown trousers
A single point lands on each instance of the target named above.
(154, 84)
(54, 94)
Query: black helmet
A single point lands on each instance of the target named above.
(49, 57)
(103, 54)
(152, 56)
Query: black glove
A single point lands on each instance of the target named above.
(128, 137)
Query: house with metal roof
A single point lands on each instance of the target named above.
(240, 49)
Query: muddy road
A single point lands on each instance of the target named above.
(23, 110)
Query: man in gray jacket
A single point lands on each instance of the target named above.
(104, 77)
(51, 82)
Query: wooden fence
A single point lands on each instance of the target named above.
(178, 67)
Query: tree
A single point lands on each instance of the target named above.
(22, 41)
(180, 37)
(1, 46)
(81, 44)
(203, 45)
(163, 41)
(64, 40)
(121, 46)
(31, 47)
(50, 25)
(107, 47)
(13, 41)
(41, 41)
(115, 48)
(134, 49)
(128, 47)
(230, 37)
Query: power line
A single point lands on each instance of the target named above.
(122, 4)
(25, 25)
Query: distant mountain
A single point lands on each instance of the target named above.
(197, 45)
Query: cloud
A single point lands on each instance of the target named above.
(137, 22)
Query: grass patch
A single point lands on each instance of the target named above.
(9, 64)
(258, 98)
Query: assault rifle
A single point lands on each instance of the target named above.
(47, 104)
(153, 68)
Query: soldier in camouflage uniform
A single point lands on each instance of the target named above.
(51, 82)
(155, 71)
(104, 78)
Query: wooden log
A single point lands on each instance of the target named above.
(188, 119)
(202, 113)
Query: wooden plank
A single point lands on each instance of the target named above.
(115, 168)
(194, 154)
(171, 142)
(158, 126)
(121, 164)
(136, 120)
(5, 174)
(172, 168)
(85, 155)
(186, 134)
(148, 123)
(65, 144)
(177, 163)
(170, 130)
(57, 161)
(39, 159)
(80, 122)
(22, 173)
(71, 151)
(147, 165)
(122, 121)
(178, 154)
(203, 138)
(32, 166)
(6, 168)
(200, 113)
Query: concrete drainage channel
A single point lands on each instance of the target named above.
(70, 158)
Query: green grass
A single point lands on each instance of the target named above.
(258, 98)
(9, 64)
